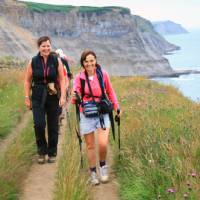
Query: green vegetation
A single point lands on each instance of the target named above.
(101, 10)
(15, 162)
(71, 180)
(160, 157)
(40, 7)
(11, 62)
(11, 100)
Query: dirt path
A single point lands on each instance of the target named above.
(108, 191)
(39, 185)
(15, 131)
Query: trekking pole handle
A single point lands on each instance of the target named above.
(77, 97)
(117, 117)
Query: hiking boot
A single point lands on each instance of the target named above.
(41, 159)
(94, 179)
(52, 159)
(104, 173)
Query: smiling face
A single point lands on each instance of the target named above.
(45, 48)
(89, 64)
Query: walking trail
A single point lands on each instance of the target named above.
(108, 191)
(39, 184)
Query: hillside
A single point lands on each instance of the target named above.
(125, 44)
(160, 151)
(168, 28)
(159, 155)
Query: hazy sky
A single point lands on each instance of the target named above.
(185, 12)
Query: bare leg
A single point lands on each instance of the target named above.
(103, 143)
(90, 149)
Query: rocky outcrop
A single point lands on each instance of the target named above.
(125, 44)
(168, 28)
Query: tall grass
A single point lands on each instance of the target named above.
(15, 162)
(71, 180)
(160, 140)
(11, 100)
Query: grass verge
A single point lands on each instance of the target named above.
(15, 162)
(11, 100)
(71, 179)
(160, 158)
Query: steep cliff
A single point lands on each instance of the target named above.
(125, 44)
(168, 28)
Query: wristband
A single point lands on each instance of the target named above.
(26, 97)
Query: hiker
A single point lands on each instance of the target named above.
(65, 61)
(90, 124)
(42, 75)
(68, 76)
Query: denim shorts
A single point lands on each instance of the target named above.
(88, 125)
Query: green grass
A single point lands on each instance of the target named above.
(15, 163)
(160, 142)
(101, 10)
(11, 100)
(71, 182)
(40, 7)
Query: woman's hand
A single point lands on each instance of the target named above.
(118, 112)
(61, 101)
(73, 95)
(28, 103)
(76, 97)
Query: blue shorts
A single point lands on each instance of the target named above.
(88, 125)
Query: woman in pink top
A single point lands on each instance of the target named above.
(89, 125)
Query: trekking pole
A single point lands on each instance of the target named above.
(77, 129)
(68, 121)
(117, 119)
(112, 124)
(67, 110)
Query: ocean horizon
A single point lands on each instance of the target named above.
(185, 58)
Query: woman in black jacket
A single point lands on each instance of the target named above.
(44, 76)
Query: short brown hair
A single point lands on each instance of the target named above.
(43, 39)
(85, 54)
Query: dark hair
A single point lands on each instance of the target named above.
(43, 39)
(85, 54)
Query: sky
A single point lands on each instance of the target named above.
(184, 12)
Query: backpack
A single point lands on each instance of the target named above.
(104, 103)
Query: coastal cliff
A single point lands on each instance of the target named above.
(168, 28)
(125, 44)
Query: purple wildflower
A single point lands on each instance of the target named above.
(171, 190)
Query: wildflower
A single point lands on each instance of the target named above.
(171, 190)
(186, 195)
(193, 174)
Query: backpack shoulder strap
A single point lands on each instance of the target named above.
(101, 81)
(66, 64)
(82, 87)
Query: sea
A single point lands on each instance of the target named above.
(188, 57)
